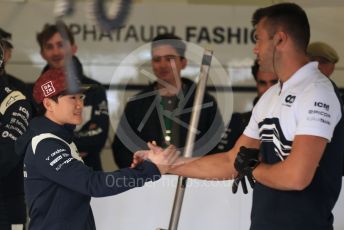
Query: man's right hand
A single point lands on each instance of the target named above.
(246, 161)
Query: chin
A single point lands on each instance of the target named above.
(57, 65)
(166, 78)
(76, 121)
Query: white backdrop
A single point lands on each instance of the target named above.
(207, 205)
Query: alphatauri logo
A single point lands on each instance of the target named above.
(290, 99)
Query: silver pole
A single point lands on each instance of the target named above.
(180, 190)
(73, 83)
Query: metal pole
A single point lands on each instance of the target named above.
(70, 69)
(180, 190)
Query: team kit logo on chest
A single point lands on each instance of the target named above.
(289, 100)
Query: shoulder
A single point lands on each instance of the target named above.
(187, 83)
(145, 94)
(321, 89)
(90, 81)
(16, 82)
(239, 119)
(10, 97)
(48, 142)
(266, 97)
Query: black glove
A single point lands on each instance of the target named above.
(245, 162)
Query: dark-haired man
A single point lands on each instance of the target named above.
(298, 127)
(162, 111)
(239, 121)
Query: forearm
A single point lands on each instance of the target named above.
(212, 167)
(123, 180)
(266, 175)
(296, 172)
(279, 176)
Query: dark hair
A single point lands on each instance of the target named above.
(288, 16)
(50, 30)
(171, 40)
(2, 57)
(255, 69)
(5, 38)
(40, 109)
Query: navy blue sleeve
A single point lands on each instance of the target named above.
(15, 113)
(53, 159)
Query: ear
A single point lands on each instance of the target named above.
(184, 62)
(48, 104)
(42, 54)
(279, 38)
(74, 48)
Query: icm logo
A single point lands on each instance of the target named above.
(321, 105)
(290, 99)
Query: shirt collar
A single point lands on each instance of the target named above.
(301, 75)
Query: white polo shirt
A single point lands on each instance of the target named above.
(306, 104)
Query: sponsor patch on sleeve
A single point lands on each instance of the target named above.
(10, 100)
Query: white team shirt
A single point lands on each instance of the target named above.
(305, 105)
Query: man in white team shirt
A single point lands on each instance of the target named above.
(298, 127)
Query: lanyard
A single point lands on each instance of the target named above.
(168, 105)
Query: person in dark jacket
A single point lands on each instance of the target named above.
(91, 135)
(162, 111)
(15, 112)
(12, 81)
(239, 121)
(58, 186)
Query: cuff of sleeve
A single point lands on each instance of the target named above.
(150, 169)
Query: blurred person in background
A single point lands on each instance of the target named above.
(15, 113)
(325, 55)
(264, 80)
(90, 136)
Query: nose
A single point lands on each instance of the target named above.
(80, 102)
(57, 50)
(164, 62)
(255, 49)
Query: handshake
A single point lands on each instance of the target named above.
(245, 162)
(164, 159)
